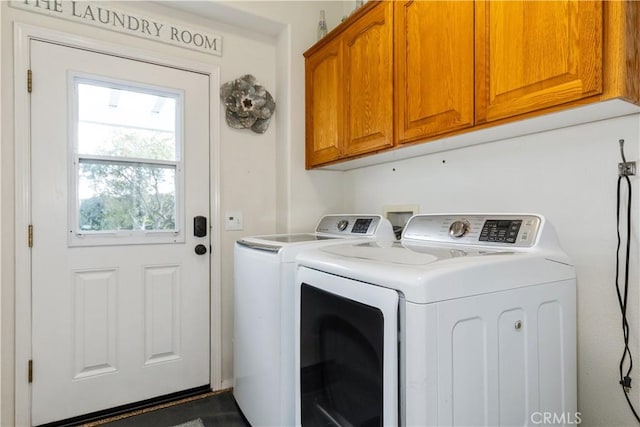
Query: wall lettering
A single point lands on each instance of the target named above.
(105, 16)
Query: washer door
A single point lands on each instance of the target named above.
(348, 352)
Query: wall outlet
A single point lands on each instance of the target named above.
(233, 220)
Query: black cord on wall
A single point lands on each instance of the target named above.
(625, 377)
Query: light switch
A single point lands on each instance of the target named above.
(233, 220)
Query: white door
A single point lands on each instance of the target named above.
(120, 169)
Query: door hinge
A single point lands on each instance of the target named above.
(30, 374)
(29, 81)
(30, 236)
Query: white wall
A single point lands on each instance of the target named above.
(303, 196)
(569, 175)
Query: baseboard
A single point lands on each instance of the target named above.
(131, 407)
(226, 384)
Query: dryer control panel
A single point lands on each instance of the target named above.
(485, 230)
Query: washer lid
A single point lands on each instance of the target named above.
(330, 229)
(296, 238)
(427, 274)
(276, 242)
(291, 238)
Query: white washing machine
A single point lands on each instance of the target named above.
(470, 320)
(264, 280)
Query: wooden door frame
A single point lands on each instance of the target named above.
(23, 34)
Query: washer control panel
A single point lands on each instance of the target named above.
(355, 225)
(491, 230)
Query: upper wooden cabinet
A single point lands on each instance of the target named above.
(349, 84)
(531, 55)
(324, 104)
(434, 54)
(404, 72)
(368, 72)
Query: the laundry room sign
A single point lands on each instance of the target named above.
(104, 15)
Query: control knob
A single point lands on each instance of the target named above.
(459, 228)
(342, 224)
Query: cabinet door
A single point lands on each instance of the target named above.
(324, 104)
(434, 67)
(536, 54)
(368, 71)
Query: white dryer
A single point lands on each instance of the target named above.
(264, 280)
(470, 320)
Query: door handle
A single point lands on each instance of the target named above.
(201, 249)
(200, 226)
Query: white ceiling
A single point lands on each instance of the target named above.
(227, 14)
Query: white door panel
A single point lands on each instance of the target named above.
(117, 323)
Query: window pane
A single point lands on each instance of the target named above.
(126, 196)
(120, 122)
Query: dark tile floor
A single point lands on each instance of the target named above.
(216, 410)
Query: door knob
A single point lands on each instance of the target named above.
(201, 249)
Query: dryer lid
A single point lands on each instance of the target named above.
(397, 253)
(427, 274)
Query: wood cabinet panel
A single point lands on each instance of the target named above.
(368, 71)
(324, 104)
(411, 71)
(532, 55)
(622, 50)
(434, 55)
(349, 88)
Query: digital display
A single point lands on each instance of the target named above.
(502, 231)
(361, 225)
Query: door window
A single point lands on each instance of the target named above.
(126, 145)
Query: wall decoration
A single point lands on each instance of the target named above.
(107, 15)
(249, 104)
